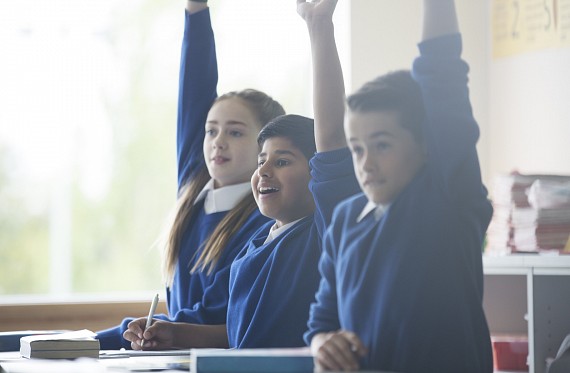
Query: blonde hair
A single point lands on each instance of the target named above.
(264, 108)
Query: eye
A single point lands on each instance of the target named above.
(282, 162)
(236, 134)
(210, 132)
(260, 163)
(382, 145)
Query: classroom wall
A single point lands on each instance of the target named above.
(521, 102)
(530, 112)
(385, 36)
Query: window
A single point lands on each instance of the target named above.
(87, 143)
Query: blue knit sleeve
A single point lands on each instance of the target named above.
(450, 131)
(212, 307)
(112, 338)
(323, 315)
(196, 92)
(332, 180)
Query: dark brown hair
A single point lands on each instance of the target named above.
(396, 91)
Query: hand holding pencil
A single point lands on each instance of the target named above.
(149, 334)
(150, 315)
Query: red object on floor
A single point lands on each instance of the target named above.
(510, 353)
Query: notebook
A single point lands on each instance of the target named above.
(268, 360)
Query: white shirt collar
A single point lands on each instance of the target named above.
(379, 211)
(275, 231)
(224, 198)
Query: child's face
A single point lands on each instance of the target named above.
(281, 182)
(386, 156)
(230, 143)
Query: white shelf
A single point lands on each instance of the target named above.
(522, 263)
(529, 294)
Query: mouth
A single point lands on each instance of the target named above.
(267, 190)
(369, 182)
(219, 159)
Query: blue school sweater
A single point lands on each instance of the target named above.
(195, 298)
(272, 285)
(410, 285)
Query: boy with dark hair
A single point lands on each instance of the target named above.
(402, 273)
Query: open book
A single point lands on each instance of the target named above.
(268, 360)
(70, 345)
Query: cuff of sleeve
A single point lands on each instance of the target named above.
(331, 165)
(331, 157)
(308, 336)
(112, 338)
(441, 46)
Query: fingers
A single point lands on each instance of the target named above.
(137, 326)
(356, 345)
(332, 358)
(137, 335)
(338, 351)
(133, 332)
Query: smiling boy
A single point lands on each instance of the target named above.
(274, 280)
(402, 274)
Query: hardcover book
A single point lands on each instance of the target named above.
(69, 345)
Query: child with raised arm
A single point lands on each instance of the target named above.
(274, 279)
(402, 280)
(216, 213)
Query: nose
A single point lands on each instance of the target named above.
(264, 170)
(219, 142)
(367, 163)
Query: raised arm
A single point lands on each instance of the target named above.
(452, 129)
(439, 19)
(197, 88)
(328, 83)
(195, 6)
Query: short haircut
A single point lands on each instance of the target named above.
(396, 91)
(298, 129)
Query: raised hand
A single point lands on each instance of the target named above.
(328, 82)
(195, 6)
(311, 10)
(440, 18)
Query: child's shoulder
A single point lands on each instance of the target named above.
(350, 207)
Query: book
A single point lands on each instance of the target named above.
(531, 214)
(10, 341)
(268, 360)
(70, 345)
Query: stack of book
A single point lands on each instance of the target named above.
(531, 214)
(71, 345)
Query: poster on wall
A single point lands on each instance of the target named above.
(520, 26)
